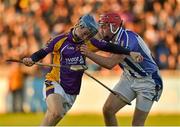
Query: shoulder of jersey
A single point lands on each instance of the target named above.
(55, 38)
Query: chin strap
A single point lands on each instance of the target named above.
(75, 37)
(111, 28)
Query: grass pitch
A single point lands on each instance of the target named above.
(34, 119)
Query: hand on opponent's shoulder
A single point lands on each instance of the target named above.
(136, 56)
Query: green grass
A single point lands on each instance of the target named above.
(34, 119)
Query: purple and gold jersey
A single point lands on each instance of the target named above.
(66, 52)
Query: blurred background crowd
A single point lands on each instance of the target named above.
(26, 25)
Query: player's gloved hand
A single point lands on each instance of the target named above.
(84, 49)
(136, 56)
(28, 61)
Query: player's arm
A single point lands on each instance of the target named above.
(103, 45)
(40, 54)
(136, 56)
(106, 62)
(109, 47)
(113, 48)
(29, 61)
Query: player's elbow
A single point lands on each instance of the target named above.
(110, 66)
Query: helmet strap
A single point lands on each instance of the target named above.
(111, 28)
(76, 38)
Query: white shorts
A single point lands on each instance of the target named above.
(54, 87)
(143, 89)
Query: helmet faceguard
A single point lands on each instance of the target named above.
(113, 19)
(89, 22)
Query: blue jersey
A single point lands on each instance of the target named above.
(133, 42)
(148, 67)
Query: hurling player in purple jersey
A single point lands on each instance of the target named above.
(140, 80)
(62, 85)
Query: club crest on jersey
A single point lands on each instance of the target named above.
(70, 48)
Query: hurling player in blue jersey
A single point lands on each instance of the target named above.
(140, 80)
(62, 85)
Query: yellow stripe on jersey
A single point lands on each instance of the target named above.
(91, 46)
(49, 87)
(55, 72)
(58, 44)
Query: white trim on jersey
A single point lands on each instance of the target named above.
(62, 51)
(145, 48)
(118, 36)
(127, 38)
(128, 69)
(131, 71)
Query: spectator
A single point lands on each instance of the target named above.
(16, 87)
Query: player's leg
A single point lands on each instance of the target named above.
(55, 99)
(147, 91)
(143, 107)
(58, 102)
(113, 104)
(55, 110)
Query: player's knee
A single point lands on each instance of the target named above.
(56, 114)
(107, 110)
